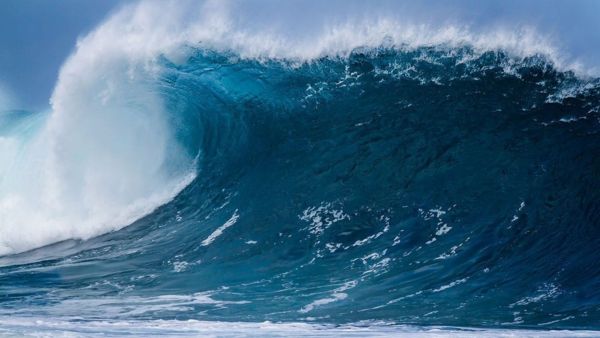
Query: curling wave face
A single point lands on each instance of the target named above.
(110, 152)
(404, 175)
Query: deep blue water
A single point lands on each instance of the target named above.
(435, 186)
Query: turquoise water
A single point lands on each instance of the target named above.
(433, 186)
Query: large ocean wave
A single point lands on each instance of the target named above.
(374, 170)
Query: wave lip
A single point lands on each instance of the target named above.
(163, 27)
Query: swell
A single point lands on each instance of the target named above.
(412, 186)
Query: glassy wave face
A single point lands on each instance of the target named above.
(429, 186)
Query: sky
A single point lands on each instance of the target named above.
(36, 36)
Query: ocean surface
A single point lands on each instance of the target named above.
(430, 189)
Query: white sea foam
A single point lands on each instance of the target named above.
(219, 231)
(152, 27)
(336, 295)
(105, 156)
(322, 217)
(121, 306)
(546, 291)
(56, 327)
(450, 285)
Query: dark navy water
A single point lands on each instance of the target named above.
(436, 186)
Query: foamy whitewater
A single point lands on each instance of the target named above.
(232, 169)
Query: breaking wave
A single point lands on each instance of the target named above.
(368, 169)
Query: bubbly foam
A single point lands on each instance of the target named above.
(105, 156)
(37, 326)
(151, 27)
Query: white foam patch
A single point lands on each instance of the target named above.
(219, 231)
(122, 306)
(545, 292)
(56, 327)
(322, 217)
(450, 285)
(105, 156)
(162, 27)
